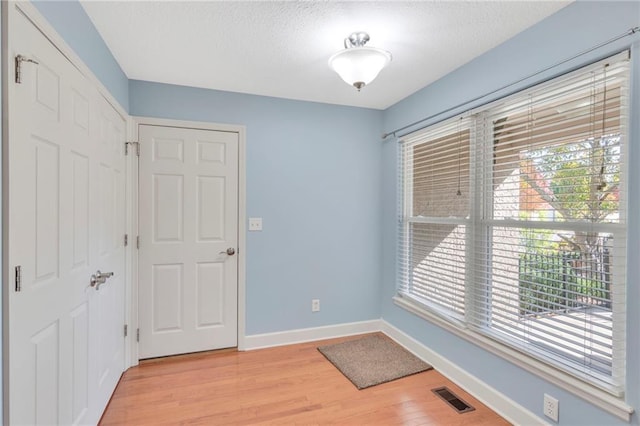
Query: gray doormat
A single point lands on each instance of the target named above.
(372, 360)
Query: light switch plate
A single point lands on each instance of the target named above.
(255, 224)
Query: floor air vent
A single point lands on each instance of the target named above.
(452, 399)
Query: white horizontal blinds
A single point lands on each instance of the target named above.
(569, 129)
(440, 174)
(531, 251)
(552, 282)
(437, 265)
(556, 303)
(435, 215)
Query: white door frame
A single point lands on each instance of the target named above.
(131, 285)
(134, 123)
(9, 9)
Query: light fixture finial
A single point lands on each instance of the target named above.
(357, 64)
(357, 40)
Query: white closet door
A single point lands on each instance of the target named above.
(66, 221)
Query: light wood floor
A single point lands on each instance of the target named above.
(285, 385)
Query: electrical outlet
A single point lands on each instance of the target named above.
(315, 305)
(550, 407)
(255, 224)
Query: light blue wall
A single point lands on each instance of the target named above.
(326, 187)
(71, 21)
(313, 176)
(572, 30)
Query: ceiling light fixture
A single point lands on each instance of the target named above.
(358, 65)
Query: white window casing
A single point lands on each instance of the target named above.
(513, 227)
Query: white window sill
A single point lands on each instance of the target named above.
(594, 395)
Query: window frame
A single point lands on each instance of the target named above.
(457, 125)
(610, 398)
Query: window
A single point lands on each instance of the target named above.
(437, 200)
(513, 222)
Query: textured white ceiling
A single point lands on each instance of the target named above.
(281, 48)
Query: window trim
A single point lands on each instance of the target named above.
(609, 398)
(599, 397)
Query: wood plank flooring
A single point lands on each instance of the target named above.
(284, 385)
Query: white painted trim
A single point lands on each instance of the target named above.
(242, 210)
(32, 13)
(498, 402)
(131, 344)
(595, 396)
(6, 64)
(40, 22)
(11, 11)
(493, 399)
(290, 337)
(242, 233)
(200, 125)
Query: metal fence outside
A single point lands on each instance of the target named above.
(564, 281)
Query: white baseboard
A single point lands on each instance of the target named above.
(501, 404)
(267, 340)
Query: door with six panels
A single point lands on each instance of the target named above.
(65, 176)
(188, 220)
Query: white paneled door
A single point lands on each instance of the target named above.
(188, 220)
(65, 177)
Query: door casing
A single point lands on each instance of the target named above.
(131, 293)
(11, 11)
(135, 122)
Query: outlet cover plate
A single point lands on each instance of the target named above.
(255, 224)
(550, 407)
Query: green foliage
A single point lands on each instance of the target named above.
(539, 241)
(579, 180)
(551, 282)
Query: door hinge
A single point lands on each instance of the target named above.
(137, 334)
(138, 242)
(134, 144)
(126, 330)
(19, 60)
(126, 240)
(18, 278)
